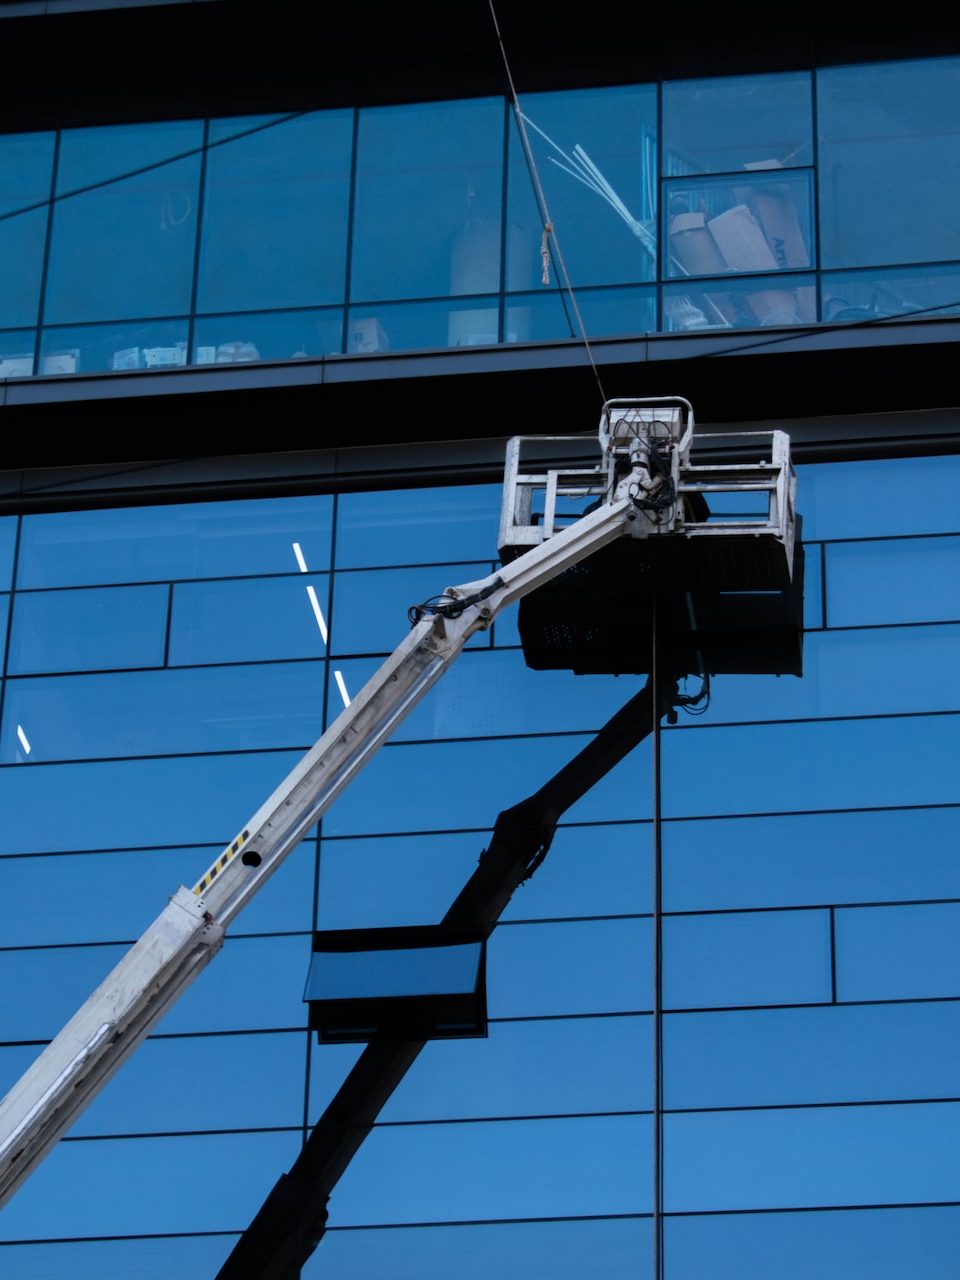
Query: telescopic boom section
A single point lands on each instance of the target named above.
(189, 931)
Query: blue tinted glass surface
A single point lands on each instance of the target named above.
(403, 971)
(148, 712)
(156, 1185)
(778, 957)
(875, 1244)
(889, 953)
(123, 240)
(909, 580)
(903, 116)
(739, 304)
(595, 152)
(241, 621)
(85, 630)
(25, 162)
(188, 1257)
(189, 540)
(272, 335)
(428, 196)
(16, 353)
(99, 348)
(275, 212)
(511, 1251)
(853, 1053)
(546, 317)
(523, 1168)
(407, 526)
(422, 325)
(370, 608)
(737, 122)
(778, 1159)
(858, 296)
(838, 499)
(800, 859)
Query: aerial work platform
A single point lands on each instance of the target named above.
(716, 545)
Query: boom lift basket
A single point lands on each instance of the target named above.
(719, 549)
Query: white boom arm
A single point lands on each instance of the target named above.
(189, 931)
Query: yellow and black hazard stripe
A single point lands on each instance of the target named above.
(230, 852)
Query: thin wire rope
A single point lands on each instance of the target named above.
(549, 231)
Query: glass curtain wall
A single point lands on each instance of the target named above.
(165, 667)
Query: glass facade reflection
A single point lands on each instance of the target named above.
(166, 666)
(397, 228)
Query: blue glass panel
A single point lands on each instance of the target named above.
(895, 118)
(85, 630)
(187, 1257)
(406, 526)
(547, 1067)
(778, 957)
(124, 348)
(757, 222)
(16, 353)
(472, 322)
(890, 953)
(811, 858)
(274, 335)
(192, 540)
(739, 122)
(812, 587)
(59, 980)
(131, 803)
(25, 162)
(14, 1060)
(399, 971)
(839, 500)
(857, 296)
(739, 304)
(133, 1186)
(813, 1156)
(441, 785)
(875, 1244)
(73, 898)
(275, 212)
(124, 246)
(370, 608)
(244, 620)
(846, 764)
(548, 317)
(428, 196)
(852, 1053)
(157, 712)
(596, 156)
(525, 1168)
(511, 1251)
(259, 1083)
(909, 580)
(592, 966)
(414, 879)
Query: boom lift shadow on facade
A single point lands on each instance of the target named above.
(593, 545)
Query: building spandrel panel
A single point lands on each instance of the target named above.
(903, 580)
(606, 313)
(369, 612)
(187, 1257)
(842, 501)
(862, 1244)
(788, 1057)
(408, 526)
(898, 952)
(283, 617)
(87, 630)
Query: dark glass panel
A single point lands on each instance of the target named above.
(895, 953)
(859, 296)
(811, 1157)
(874, 1244)
(517, 1169)
(284, 335)
(429, 183)
(800, 859)
(187, 1257)
(370, 608)
(549, 317)
(116, 348)
(909, 580)
(275, 212)
(125, 247)
(244, 620)
(595, 151)
(739, 304)
(739, 122)
(25, 162)
(889, 150)
(778, 957)
(191, 540)
(839, 500)
(619, 1249)
(17, 352)
(406, 526)
(209, 1183)
(386, 326)
(840, 1053)
(164, 712)
(85, 630)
